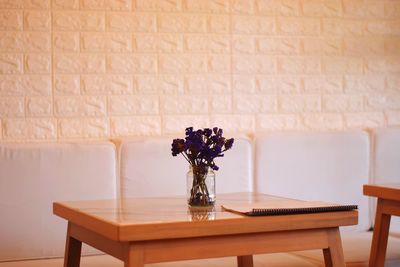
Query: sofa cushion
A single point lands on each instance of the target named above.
(148, 169)
(386, 165)
(356, 249)
(315, 166)
(32, 177)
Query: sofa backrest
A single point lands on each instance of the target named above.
(148, 169)
(386, 164)
(32, 176)
(315, 166)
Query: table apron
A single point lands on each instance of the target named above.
(154, 251)
(233, 245)
(114, 248)
(389, 206)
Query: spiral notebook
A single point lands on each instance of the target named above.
(286, 207)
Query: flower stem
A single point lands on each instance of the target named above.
(199, 194)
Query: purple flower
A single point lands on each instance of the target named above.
(229, 144)
(207, 132)
(200, 147)
(178, 146)
(188, 130)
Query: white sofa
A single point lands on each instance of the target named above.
(32, 176)
(315, 165)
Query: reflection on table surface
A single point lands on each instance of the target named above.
(161, 209)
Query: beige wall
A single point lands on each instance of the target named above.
(107, 68)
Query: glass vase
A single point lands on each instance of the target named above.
(200, 186)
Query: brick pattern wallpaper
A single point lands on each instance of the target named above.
(99, 69)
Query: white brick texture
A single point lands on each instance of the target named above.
(277, 122)
(83, 128)
(100, 69)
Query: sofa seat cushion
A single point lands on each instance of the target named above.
(328, 166)
(356, 249)
(265, 260)
(149, 170)
(32, 177)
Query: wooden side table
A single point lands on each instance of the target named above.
(388, 204)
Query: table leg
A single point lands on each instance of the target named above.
(73, 247)
(380, 237)
(333, 255)
(134, 256)
(245, 261)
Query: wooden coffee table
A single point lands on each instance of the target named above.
(140, 231)
(388, 204)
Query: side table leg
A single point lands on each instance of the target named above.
(245, 261)
(73, 247)
(134, 256)
(333, 255)
(380, 237)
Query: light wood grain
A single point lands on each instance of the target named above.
(134, 256)
(216, 246)
(111, 247)
(388, 204)
(380, 237)
(152, 219)
(333, 254)
(245, 261)
(232, 245)
(134, 231)
(73, 248)
(386, 191)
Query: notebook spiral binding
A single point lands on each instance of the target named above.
(286, 211)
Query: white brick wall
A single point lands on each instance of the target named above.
(101, 69)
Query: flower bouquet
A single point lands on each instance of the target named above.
(200, 148)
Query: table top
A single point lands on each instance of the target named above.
(163, 218)
(386, 191)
